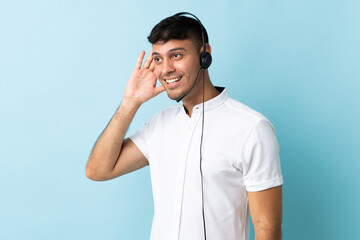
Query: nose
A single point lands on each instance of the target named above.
(167, 67)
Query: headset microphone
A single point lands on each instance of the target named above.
(205, 57)
(181, 97)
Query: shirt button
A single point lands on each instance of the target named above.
(190, 128)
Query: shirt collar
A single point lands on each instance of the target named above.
(214, 102)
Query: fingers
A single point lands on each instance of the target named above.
(140, 59)
(152, 66)
(148, 61)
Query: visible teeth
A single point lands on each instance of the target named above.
(172, 80)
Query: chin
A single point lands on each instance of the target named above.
(174, 96)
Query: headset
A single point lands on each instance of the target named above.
(205, 62)
(205, 57)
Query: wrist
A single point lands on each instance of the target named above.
(130, 104)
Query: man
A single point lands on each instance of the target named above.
(211, 164)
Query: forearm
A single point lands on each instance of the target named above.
(268, 234)
(108, 146)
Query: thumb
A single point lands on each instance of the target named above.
(159, 90)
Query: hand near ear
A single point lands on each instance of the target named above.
(141, 86)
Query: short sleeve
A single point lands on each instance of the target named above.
(260, 160)
(139, 138)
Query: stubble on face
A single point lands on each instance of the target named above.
(176, 65)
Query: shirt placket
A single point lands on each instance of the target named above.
(190, 129)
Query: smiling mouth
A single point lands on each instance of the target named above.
(172, 80)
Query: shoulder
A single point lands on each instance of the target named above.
(242, 113)
(244, 110)
(167, 112)
(165, 115)
(158, 120)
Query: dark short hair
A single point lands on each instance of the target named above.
(179, 28)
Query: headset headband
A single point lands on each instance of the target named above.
(202, 28)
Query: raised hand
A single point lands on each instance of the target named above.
(142, 83)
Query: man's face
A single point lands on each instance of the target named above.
(176, 64)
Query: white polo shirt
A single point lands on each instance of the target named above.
(240, 154)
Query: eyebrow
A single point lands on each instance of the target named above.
(171, 50)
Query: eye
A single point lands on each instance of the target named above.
(157, 59)
(177, 56)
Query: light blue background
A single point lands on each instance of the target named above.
(63, 69)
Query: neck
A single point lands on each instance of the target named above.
(195, 97)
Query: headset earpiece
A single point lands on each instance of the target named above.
(205, 57)
(205, 60)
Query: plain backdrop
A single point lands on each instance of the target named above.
(63, 70)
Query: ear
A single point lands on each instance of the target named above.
(208, 48)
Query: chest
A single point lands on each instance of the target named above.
(177, 147)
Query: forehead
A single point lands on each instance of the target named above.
(161, 48)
